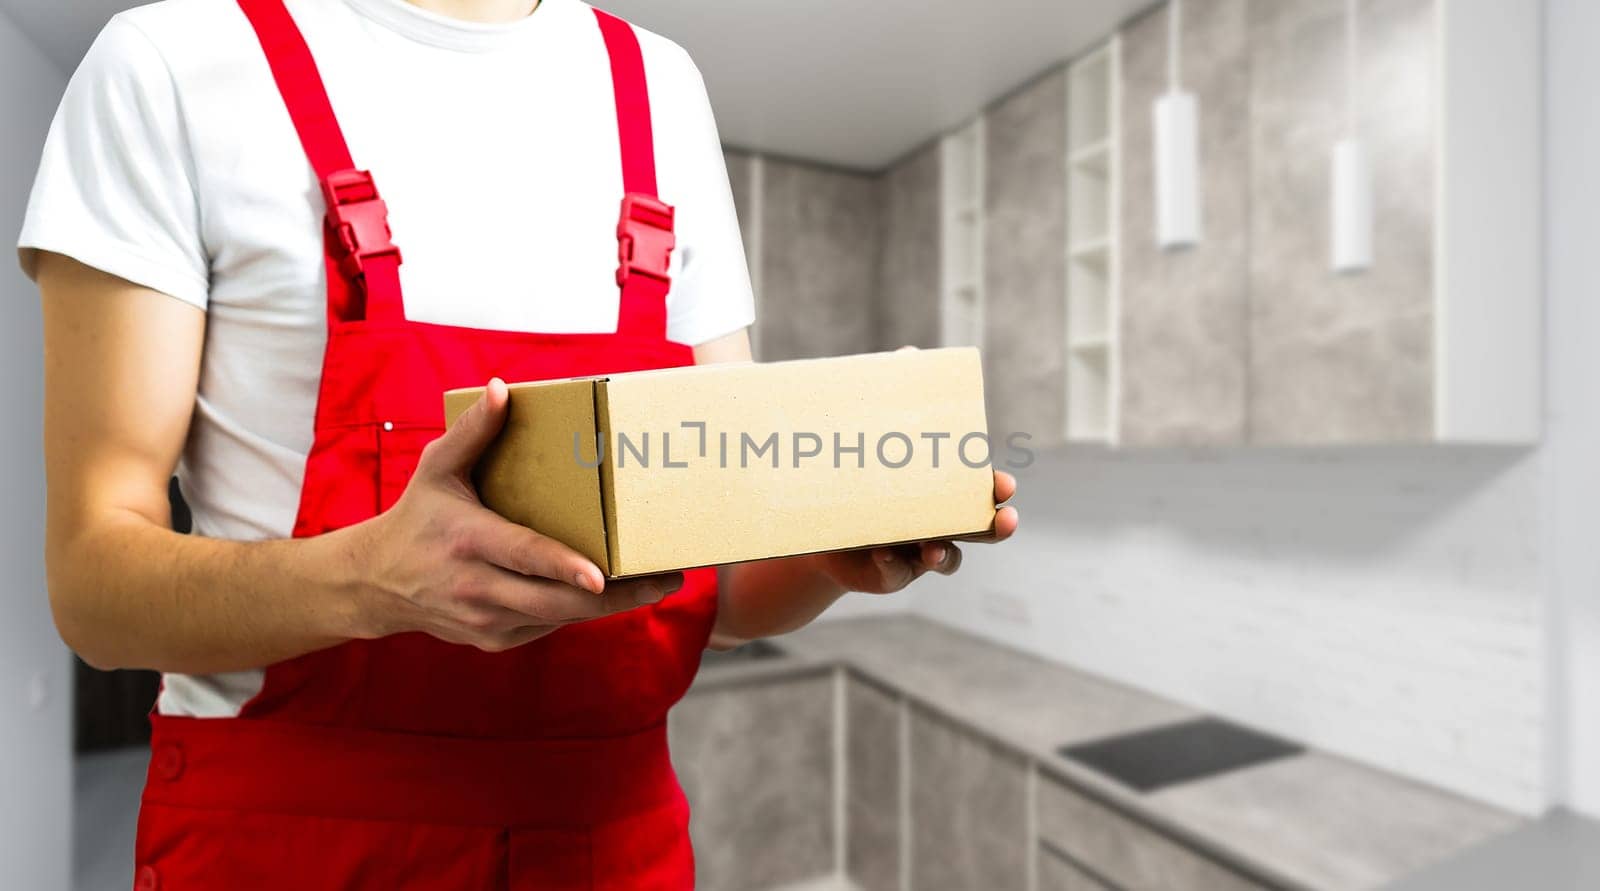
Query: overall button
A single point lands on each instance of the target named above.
(388, 426)
(146, 880)
(168, 762)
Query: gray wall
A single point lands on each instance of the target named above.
(35, 672)
(820, 230)
(908, 272)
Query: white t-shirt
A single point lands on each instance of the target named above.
(172, 163)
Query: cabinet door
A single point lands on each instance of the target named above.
(1183, 329)
(1123, 852)
(969, 822)
(756, 762)
(1025, 264)
(872, 804)
(1342, 358)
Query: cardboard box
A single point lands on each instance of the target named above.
(663, 470)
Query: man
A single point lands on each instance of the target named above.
(371, 681)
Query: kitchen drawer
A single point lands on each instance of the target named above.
(969, 805)
(1126, 853)
(872, 786)
(756, 763)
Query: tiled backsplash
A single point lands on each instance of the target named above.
(1382, 604)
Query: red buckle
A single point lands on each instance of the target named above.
(645, 238)
(357, 221)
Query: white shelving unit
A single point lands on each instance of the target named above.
(1094, 176)
(961, 214)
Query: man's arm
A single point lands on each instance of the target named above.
(770, 597)
(121, 369)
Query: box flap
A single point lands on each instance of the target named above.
(543, 471)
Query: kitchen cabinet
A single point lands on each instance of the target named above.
(781, 767)
(1024, 267)
(1031, 231)
(874, 786)
(962, 187)
(1250, 336)
(1085, 841)
(969, 798)
(756, 763)
(1440, 339)
(1182, 327)
(1094, 263)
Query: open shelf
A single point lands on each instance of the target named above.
(961, 226)
(1094, 191)
(1093, 159)
(1089, 311)
(1088, 396)
(1088, 204)
(1089, 97)
(1094, 253)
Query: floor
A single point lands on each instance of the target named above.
(106, 802)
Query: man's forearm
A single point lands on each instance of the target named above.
(771, 597)
(130, 594)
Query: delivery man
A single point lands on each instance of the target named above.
(371, 681)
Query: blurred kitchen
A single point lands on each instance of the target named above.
(1295, 300)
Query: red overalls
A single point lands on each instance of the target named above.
(409, 763)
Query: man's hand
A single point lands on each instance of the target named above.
(777, 596)
(442, 563)
(770, 597)
(887, 570)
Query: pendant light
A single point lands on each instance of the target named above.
(1351, 225)
(1177, 149)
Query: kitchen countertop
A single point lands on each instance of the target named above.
(1309, 821)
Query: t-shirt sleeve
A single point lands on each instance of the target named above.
(116, 186)
(711, 295)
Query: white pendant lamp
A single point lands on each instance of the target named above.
(1177, 150)
(1351, 199)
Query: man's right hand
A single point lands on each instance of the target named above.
(441, 563)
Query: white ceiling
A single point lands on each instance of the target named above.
(856, 83)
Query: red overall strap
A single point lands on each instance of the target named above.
(363, 263)
(645, 235)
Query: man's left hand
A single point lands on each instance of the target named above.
(888, 569)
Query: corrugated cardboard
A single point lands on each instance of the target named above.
(719, 464)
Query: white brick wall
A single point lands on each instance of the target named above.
(1383, 604)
